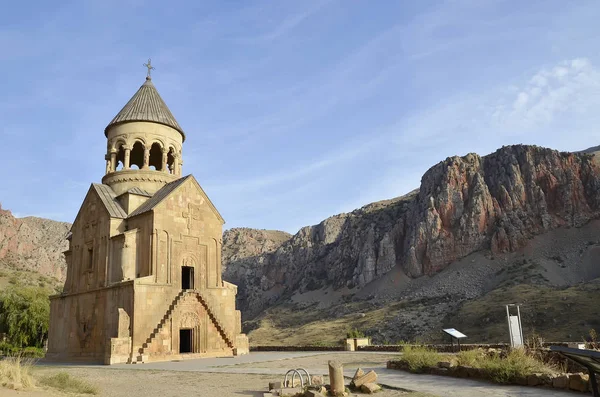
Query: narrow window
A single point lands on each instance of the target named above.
(90, 258)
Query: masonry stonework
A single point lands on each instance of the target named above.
(144, 277)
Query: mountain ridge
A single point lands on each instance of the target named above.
(465, 204)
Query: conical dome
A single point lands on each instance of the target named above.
(146, 105)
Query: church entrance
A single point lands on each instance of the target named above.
(187, 277)
(185, 341)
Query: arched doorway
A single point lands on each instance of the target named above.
(190, 333)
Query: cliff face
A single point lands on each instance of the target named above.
(33, 244)
(464, 204)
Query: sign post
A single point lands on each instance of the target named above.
(514, 326)
(454, 334)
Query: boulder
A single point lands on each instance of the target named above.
(313, 393)
(370, 388)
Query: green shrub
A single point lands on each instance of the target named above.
(32, 352)
(420, 358)
(7, 349)
(24, 315)
(64, 382)
(355, 333)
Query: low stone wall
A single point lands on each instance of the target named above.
(447, 348)
(568, 381)
(296, 348)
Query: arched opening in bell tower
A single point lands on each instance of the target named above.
(156, 157)
(171, 161)
(120, 160)
(136, 159)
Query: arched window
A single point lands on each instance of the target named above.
(120, 162)
(136, 159)
(155, 157)
(171, 161)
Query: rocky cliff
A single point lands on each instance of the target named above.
(464, 204)
(33, 244)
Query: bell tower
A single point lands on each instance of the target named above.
(144, 143)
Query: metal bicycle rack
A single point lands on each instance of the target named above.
(294, 372)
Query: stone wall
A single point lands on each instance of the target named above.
(82, 324)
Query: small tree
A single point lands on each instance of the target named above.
(355, 333)
(24, 315)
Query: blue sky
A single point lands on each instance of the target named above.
(293, 110)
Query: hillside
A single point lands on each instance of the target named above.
(464, 205)
(33, 245)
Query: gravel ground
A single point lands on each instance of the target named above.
(164, 383)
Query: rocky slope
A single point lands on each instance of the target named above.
(464, 205)
(33, 244)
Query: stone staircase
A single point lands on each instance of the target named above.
(212, 314)
(140, 357)
(229, 341)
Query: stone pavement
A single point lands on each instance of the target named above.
(436, 385)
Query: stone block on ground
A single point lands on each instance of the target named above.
(578, 382)
(521, 380)
(359, 372)
(370, 388)
(462, 371)
(476, 373)
(313, 393)
(534, 380)
(561, 382)
(369, 377)
(274, 385)
(316, 380)
(444, 364)
(289, 391)
(440, 371)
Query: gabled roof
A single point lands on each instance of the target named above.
(109, 199)
(158, 196)
(165, 191)
(146, 105)
(138, 191)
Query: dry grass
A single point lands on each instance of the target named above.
(289, 325)
(543, 312)
(507, 368)
(517, 364)
(66, 383)
(15, 373)
(420, 358)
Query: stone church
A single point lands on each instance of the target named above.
(144, 259)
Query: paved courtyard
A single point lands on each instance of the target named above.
(277, 364)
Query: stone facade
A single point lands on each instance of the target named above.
(144, 259)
